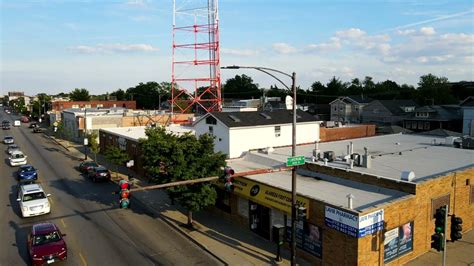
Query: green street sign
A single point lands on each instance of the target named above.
(294, 161)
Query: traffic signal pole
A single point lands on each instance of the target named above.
(444, 233)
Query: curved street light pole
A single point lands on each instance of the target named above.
(267, 71)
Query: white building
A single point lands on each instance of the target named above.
(238, 132)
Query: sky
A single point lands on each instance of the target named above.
(55, 46)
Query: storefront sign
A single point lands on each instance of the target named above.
(398, 241)
(352, 224)
(308, 237)
(267, 195)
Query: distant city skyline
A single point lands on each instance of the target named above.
(58, 45)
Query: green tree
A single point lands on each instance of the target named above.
(241, 87)
(93, 144)
(79, 95)
(436, 88)
(369, 84)
(172, 158)
(147, 95)
(116, 156)
(120, 95)
(335, 87)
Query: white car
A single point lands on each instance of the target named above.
(12, 148)
(33, 201)
(16, 123)
(17, 158)
(8, 140)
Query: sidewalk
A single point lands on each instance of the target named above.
(227, 241)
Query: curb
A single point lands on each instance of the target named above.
(178, 229)
(57, 142)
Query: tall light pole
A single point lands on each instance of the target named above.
(267, 71)
(85, 132)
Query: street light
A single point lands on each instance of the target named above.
(267, 71)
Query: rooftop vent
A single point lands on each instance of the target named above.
(408, 175)
(265, 116)
(233, 117)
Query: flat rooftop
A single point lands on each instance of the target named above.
(328, 189)
(426, 156)
(136, 133)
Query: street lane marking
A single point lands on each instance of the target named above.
(82, 258)
(64, 224)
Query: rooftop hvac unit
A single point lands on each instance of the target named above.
(357, 158)
(329, 155)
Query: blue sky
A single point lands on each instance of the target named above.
(58, 45)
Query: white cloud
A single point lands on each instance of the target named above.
(239, 52)
(351, 33)
(284, 48)
(137, 3)
(427, 31)
(333, 44)
(114, 48)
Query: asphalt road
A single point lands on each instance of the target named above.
(98, 232)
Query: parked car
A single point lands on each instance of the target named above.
(86, 165)
(16, 123)
(24, 119)
(6, 126)
(27, 172)
(46, 244)
(37, 130)
(17, 158)
(33, 125)
(98, 173)
(8, 140)
(12, 148)
(33, 201)
(24, 182)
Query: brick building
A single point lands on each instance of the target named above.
(390, 220)
(346, 132)
(58, 106)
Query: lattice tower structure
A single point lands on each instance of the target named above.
(196, 79)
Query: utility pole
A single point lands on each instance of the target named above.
(444, 233)
(85, 132)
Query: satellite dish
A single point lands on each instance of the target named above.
(289, 102)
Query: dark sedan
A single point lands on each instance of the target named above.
(46, 244)
(99, 173)
(27, 172)
(85, 166)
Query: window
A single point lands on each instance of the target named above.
(277, 131)
(100, 105)
(211, 130)
(376, 110)
(210, 120)
(427, 126)
(420, 125)
(75, 106)
(408, 124)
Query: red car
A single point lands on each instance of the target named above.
(24, 119)
(46, 244)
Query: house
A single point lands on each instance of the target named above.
(61, 105)
(348, 108)
(388, 112)
(238, 132)
(467, 107)
(427, 118)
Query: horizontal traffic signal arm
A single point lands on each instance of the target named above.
(211, 178)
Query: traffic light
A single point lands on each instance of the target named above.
(437, 241)
(456, 228)
(228, 179)
(124, 194)
(440, 220)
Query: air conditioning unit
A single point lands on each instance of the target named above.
(329, 155)
(357, 158)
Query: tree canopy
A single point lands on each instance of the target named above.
(148, 95)
(241, 87)
(171, 158)
(79, 95)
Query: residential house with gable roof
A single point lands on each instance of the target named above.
(388, 112)
(238, 132)
(427, 118)
(348, 108)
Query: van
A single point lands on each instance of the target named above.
(17, 123)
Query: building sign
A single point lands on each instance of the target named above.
(352, 224)
(308, 237)
(267, 195)
(398, 241)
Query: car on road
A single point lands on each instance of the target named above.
(16, 123)
(8, 140)
(11, 148)
(46, 244)
(98, 173)
(6, 126)
(17, 158)
(24, 182)
(27, 172)
(24, 119)
(33, 125)
(33, 200)
(86, 165)
(37, 130)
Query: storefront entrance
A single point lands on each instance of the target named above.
(259, 219)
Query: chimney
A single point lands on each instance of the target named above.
(350, 197)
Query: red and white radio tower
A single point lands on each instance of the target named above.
(196, 79)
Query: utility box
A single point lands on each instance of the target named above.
(278, 234)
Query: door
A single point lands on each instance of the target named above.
(259, 219)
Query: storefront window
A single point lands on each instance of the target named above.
(398, 242)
